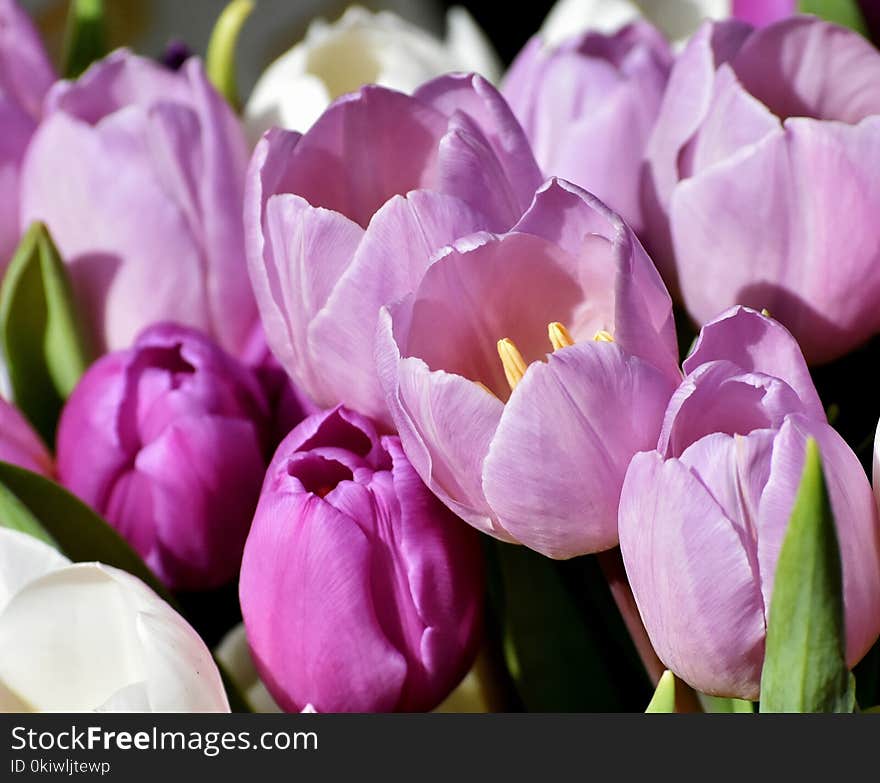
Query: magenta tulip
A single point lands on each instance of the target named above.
(25, 77)
(761, 187)
(360, 591)
(347, 218)
(763, 12)
(588, 106)
(702, 518)
(19, 444)
(526, 446)
(168, 440)
(138, 171)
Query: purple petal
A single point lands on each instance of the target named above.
(676, 541)
(756, 344)
(763, 12)
(766, 207)
(806, 67)
(19, 444)
(557, 461)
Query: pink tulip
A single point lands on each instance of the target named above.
(360, 591)
(347, 217)
(19, 444)
(761, 189)
(526, 443)
(702, 518)
(168, 440)
(138, 171)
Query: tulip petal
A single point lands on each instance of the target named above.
(675, 541)
(757, 344)
(806, 67)
(557, 461)
(400, 243)
(473, 96)
(786, 189)
(304, 547)
(19, 444)
(720, 397)
(24, 558)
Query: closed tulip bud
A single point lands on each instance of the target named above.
(86, 637)
(167, 440)
(702, 518)
(360, 591)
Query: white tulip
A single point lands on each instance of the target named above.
(235, 655)
(362, 48)
(87, 637)
(676, 18)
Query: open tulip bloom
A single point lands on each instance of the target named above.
(371, 381)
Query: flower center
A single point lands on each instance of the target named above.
(512, 360)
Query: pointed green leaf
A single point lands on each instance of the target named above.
(804, 664)
(220, 59)
(16, 516)
(41, 334)
(664, 696)
(85, 39)
(842, 12)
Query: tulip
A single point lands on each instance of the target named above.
(19, 444)
(703, 517)
(86, 637)
(138, 171)
(760, 191)
(359, 590)
(167, 440)
(676, 18)
(588, 107)
(25, 77)
(362, 48)
(524, 446)
(234, 654)
(347, 218)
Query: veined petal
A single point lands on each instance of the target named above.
(557, 461)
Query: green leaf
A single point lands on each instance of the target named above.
(664, 696)
(842, 12)
(17, 516)
(80, 533)
(36, 505)
(561, 656)
(719, 704)
(804, 664)
(46, 351)
(85, 38)
(220, 59)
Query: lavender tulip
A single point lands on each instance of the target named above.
(588, 107)
(168, 439)
(359, 590)
(347, 218)
(19, 444)
(25, 76)
(702, 518)
(139, 173)
(524, 446)
(761, 179)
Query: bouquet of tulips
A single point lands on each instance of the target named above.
(408, 383)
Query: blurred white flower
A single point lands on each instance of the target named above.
(362, 48)
(676, 18)
(235, 655)
(86, 637)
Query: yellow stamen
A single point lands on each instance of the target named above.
(766, 313)
(603, 337)
(512, 361)
(559, 336)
